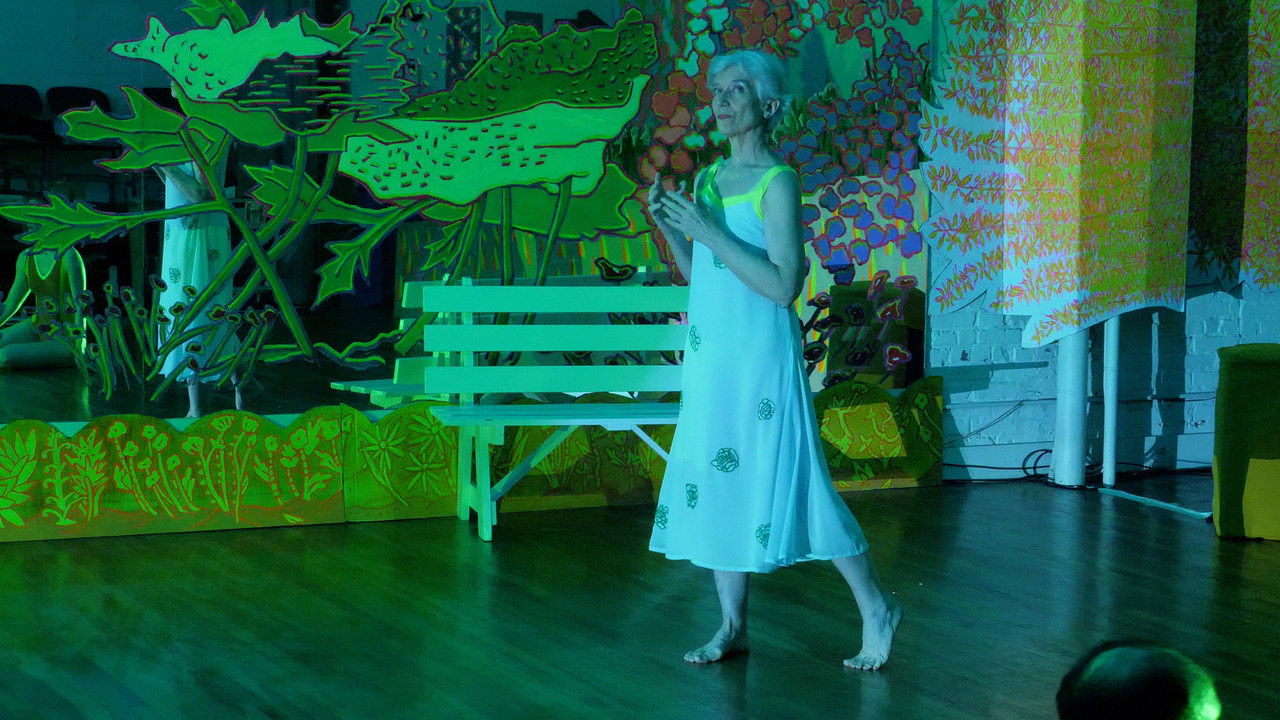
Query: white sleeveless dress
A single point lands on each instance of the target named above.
(194, 249)
(747, 487)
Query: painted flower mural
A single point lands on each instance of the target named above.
(856, 148)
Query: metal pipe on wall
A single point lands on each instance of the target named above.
(1110, 397)
(1068, 439)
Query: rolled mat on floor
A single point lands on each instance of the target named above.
(1246, 442)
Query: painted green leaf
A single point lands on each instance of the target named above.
(207, 136)
(211, 12)
(457, 162)
(516, 33)
(11, 517)
(338, 275)
(273, 191)
(59, 225)
(207, 62)
(333, 136)
(149, 124)
(575, 68)
(445, 249)
(607, 210)
(254, 126)
(149, 134)
(339, 34)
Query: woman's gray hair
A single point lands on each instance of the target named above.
(768, 77)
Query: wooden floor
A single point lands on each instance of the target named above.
(567, 615)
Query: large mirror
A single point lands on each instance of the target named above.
(228, 209)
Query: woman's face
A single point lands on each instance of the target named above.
(734, 102)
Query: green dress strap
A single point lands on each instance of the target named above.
(757, 193)
(705, 183)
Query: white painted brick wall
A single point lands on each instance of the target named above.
(1169, 374)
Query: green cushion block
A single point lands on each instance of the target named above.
(1246, 443)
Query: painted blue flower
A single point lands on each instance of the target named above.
(912, 244)
(875, 237)
(860, 252)
(851, 207)
(896, 208)
(835, 228)
(904, 211)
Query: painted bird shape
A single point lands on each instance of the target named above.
(208, 62)
(616, 274)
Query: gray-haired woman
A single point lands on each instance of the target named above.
(747, 488)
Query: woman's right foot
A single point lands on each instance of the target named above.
(725, 643)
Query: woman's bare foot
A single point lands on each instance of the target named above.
(725, 643)
(877, 639)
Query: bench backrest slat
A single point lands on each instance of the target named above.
(556, 299)
(411, 295)
(551, 338)
(563, 378)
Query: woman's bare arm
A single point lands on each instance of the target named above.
(777, 275)
(191, 188)
(680, 245)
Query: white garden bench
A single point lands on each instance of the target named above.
(480, 426)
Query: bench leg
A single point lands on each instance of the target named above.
(650, 442)
(523, 468)
(486, 507)
(466, 450)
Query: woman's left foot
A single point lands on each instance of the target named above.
(877, 639)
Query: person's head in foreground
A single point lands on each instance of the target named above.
(1137, 680)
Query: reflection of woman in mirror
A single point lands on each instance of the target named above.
(747, 488)
(195, 248)
(43, 276)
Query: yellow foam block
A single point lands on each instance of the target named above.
(1262, 499)
(863, 431)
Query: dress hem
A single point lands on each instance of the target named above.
(765, 569)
